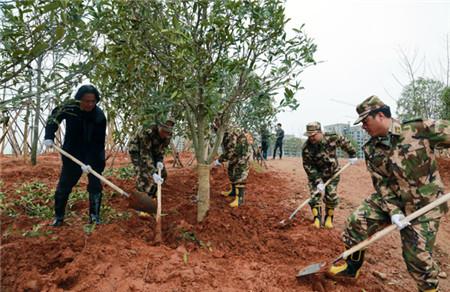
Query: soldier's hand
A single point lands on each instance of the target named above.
(157, 179)
(86, 168)
(397, 218)
(159, 165)
(353, 160)
(321, 187)
(48, 143)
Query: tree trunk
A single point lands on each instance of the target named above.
(25, 149)
(203, 191)
(34, 147)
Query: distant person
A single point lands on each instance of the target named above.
(264, 142)
(85, 140)
(279, 136)
(400, 158)
(320, 163)
(237, 150)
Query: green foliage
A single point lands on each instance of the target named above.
(422, 98)
(293, 144)
(110, 214)
(36, 231)
(445, 113)
(125, 172)
(35, 200)
(89, 228)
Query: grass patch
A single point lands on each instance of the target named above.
(126, 172)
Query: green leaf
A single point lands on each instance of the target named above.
(38, 49)
(59, 33)
(51, 6)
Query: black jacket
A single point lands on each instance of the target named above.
(85, 132)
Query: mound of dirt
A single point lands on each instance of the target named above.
(232, 249)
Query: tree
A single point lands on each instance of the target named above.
(40, 55)
(198, 60)
(421, 98)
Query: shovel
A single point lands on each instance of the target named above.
(317, 267)
(286, 222)
(137, 201)
(158, 233)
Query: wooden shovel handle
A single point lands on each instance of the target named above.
(389, 229)
(326, 183)
(158, 198)
(93, 172)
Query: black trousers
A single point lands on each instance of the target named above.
(278, 144)
(264, 148)
(70, 174)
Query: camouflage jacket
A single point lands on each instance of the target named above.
(146, 148)
(403, 165)
(236, 147)
(320, 161)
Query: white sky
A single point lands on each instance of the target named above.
(359, 43)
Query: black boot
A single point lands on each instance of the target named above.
(231, 192)
(239, 199)
(152, 192)
(317, 213)
(60, 208)
(95, 201)
(350, 269)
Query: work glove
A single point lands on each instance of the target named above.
(396, 218)
(157, 179)
(217, 162)
(86, 168)
(48, 143)
(321, 187)
(353, 160)
(159, 165)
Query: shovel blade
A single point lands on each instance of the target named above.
(311, 269)
(142, 202)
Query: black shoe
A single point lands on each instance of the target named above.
(57, 222)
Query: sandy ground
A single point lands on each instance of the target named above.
(232, 250)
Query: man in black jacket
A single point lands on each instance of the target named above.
(85, 140)
(279, 135)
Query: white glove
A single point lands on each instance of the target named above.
(353, 160)
(86, 168)
(48, 143)
(396, 218)
(217, 162)
(321, 187)
(157, 179)
(159, 165)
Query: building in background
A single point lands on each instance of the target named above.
(355, 133)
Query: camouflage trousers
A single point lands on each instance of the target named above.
(145, 183)
(417, 239)
(238, 172)
(330, 199)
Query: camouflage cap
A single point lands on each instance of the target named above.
(168, 125)
(312, 128)
(369, 104)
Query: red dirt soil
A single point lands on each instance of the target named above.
(232, 250)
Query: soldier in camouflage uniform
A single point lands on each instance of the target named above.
(400, 158)
(320, 163)
(237, 151)
(146, 150)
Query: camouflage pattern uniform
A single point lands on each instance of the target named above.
(320, 163)
(237, 151)
(405, 176)
(146, 149)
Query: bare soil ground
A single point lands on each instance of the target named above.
(232, 250)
